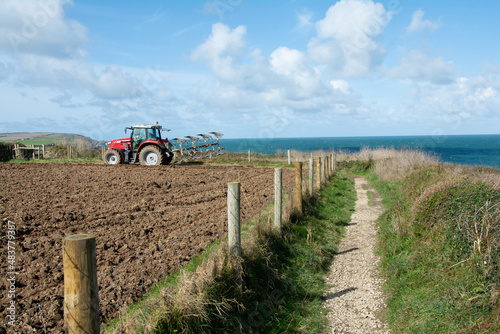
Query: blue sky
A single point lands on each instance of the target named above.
(251, 69)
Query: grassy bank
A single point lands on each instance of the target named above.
(278, 286)
(440, 244)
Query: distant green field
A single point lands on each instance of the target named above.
(38, 142)
(45, 138)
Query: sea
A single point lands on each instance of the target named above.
(475, 150)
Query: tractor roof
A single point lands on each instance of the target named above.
(147, 126)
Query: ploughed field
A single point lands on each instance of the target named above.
(146, 220)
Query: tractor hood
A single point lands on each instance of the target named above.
(118, 143)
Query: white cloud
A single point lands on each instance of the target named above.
(285, 79)
(341, 85)
(417, 65)
(348, 18)
(39, 27)
(113, 83)
(453, 104)
(326, 52)
(41, 48)
(77, 77)
(418, 25)
(222, 49)
(223, 40)
(292, 66)
(348, 37)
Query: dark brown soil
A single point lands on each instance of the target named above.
(146, 220)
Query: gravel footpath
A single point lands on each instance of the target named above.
(355, 298)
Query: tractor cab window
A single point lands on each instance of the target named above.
(138, 136)
(153, 134)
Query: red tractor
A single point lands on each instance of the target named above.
(144, 145)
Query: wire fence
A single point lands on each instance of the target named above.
(127, 282)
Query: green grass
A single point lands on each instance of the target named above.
(303, 257)
(358, 167)
(39, 142)
(369, 194)
(438, 281)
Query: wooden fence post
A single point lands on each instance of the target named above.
(329, 164)
(311, 176)
(233, 216)
(327, 169)
(277, 199)
(326, 166)
(298, 186)
(249, 159)
(330, 159)
(289, 157)
(81, 295)
(334, 162)
(318, 174)
(322, 162)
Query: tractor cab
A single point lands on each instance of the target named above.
(143, 133)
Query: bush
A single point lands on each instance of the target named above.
(471, 213)
(6, 151)
(61, 151)
(440, 246)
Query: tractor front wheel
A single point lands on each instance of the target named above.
(151, 156)
(112, 157)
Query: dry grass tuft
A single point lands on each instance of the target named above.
(392, 164)
(185, 303)
(482, 231)
(487, 175)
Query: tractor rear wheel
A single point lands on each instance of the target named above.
(112, 157)
(151, 156)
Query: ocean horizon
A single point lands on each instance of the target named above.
(475, 150)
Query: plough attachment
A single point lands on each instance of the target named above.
(195, 147)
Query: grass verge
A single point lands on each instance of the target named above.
(277, 287)
(440, 246)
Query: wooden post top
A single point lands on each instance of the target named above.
(75, 237)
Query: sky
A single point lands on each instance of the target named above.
(251, 69)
